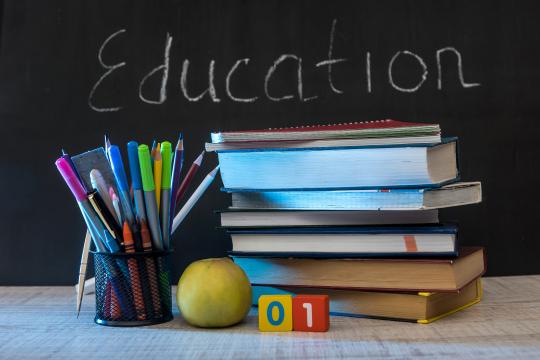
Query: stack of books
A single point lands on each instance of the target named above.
(351, 210)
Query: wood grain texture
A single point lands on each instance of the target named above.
(40, 322)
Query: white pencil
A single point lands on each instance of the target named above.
(197, 194)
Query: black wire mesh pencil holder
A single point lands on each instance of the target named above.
(132, 289)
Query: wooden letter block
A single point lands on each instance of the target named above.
(275, 313)
(311, 313)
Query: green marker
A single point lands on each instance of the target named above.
(166, 158)
(150, 197)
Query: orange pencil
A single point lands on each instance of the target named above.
(134, 277)
(150, 268)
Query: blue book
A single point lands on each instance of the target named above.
(346, 242)
(456, 194)
(413, 165)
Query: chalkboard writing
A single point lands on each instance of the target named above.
(72, 71)
(161, 73)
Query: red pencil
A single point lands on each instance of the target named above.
(187, 180)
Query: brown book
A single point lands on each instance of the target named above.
(413, 274)
(421, 307)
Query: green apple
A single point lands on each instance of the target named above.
(213, 293)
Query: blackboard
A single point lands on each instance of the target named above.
(471, 66)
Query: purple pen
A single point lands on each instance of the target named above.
(66, 156)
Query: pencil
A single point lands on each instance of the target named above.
(150, 268)
(153, 152)
(158, 164)
(176, 175)
(134, 276)
(82, 270)
(197, 194)
(188, 179)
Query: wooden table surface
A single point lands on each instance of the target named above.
(39, 322)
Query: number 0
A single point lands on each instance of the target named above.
(309, 313)
(281, 313)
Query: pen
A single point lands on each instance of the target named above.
(70, 161)
(106, 217)
(194, 198)
(91, 219)
(158, 164)
(116, 204)
(121, 181)
(166, 154)
(150, 197)
(98, 183)
(136, 182)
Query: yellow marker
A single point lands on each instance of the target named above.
(275, 313)
(157, 173)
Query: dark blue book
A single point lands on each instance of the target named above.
(346, 242)
(413, 165)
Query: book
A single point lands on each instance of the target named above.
(346, 242)
(389, 274)
(339, 168)
(456, 194)
(420, 307)
(295, 218)
(330, 143)
(376, 128)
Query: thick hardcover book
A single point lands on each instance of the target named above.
(456, 194)
(294, 218)
(366, 129)
(391, 274)
(340, 168)
(346, 242)
(420, 307)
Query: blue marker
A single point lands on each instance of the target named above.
(121, 181)
(136, 182)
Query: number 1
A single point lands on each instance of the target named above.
(309, 313)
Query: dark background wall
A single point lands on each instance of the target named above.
(49, 65)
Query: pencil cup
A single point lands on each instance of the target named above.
(132, 289)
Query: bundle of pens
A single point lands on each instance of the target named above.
(131, 228)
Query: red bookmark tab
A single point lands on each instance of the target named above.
(410, 243)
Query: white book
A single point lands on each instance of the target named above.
(256, 218)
